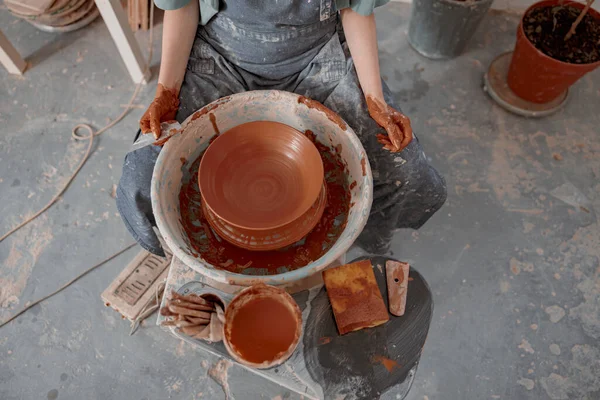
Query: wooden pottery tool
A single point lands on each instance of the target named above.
(200, 317)
(397, 284)
(167, 129)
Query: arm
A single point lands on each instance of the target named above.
(179, 31)
(361, 36)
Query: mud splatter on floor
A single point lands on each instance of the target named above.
(526, 383)
(218, 373)
(26, 246)
(582, 375)
(555, 313)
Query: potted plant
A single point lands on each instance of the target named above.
(558, 42)
(442, 28)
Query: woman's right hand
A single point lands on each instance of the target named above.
(163, 108)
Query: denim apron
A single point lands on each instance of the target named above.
(296, 46)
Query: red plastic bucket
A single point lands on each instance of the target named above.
(534, 76)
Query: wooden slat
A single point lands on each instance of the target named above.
(116, 21)
(38, 6)
(145, 15)
(10, 58)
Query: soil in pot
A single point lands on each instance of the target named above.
(546, 28)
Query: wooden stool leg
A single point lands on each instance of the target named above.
(10, 58)
(116, 20)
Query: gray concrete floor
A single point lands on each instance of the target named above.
(513, 257)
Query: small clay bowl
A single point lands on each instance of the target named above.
(261, 175)
(263, 325)
(269, 239)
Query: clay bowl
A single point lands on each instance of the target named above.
(263, 325)
(261, 175)
(269, 239)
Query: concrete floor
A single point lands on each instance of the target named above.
(513, 257)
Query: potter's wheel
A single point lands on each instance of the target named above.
(174, 161)
(326, 365)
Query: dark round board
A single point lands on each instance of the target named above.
(367, 363)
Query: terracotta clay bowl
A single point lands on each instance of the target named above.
(261, 175)
(263, 325)
(269, 239)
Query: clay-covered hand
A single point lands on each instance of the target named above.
(163, 108)
(396, 124)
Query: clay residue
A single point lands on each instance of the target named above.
(556, 313)
(51, 178)
(222, 254)
(324, 340)
(397, 125)
(526, 383)
(389, 364)
(526, 346)
(27, 245)
(213, 121)
(582, 376)
(514, 170)
(163, 108)
(555, 349)
(173, 384)
(218, 373)
(586, 240)
(180, 350)
(70, 341)
(332, 116)
(263, 329)
(165, 139)
(588, 312)
(516, 266)
(209, 108)
(363, 164)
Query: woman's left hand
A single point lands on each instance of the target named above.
(396, 124)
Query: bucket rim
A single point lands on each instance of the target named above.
(224, 276)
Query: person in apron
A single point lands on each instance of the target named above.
(325, 50)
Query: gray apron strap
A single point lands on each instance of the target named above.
(326, 9)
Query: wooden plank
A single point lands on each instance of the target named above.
(37, 6)
(145, 15)
(136, 284)
(10, 57)
(129, 14)
(116, 21)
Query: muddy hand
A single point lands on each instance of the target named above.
(163, 108)
(397, 125)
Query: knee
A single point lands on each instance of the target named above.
(416, 179)
(136, 178)
(436, 187)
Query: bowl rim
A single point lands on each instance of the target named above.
(215, 206)
(279, 295)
